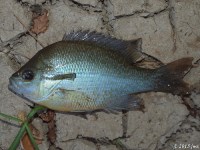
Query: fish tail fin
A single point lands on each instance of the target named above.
(170, 77)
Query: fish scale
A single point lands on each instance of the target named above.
(95, 74)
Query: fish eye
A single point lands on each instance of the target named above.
(27, 75)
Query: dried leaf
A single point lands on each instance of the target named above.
(52, 131)
(49, 117)
(149, 64)
(40, 22)
(25, 141)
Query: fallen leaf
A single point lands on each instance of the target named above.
(49, 117)
(40, 22)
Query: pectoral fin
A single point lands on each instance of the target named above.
(70, 76)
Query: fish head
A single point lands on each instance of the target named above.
(29, 83)
(26, 83)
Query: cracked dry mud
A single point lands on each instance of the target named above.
(169, 30)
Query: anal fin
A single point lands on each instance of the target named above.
(127, 102)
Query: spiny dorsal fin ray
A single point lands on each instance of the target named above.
(129, 49)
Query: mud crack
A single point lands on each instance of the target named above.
(104, 141)
(172, 23)
(85, 7)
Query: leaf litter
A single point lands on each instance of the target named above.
(40, 22)
(49, 118)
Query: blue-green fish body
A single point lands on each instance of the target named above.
(88, 71)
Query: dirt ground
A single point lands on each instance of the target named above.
(169, 30)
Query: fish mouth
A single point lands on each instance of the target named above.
(10, 88)
(13, 88)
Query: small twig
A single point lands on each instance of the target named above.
(28, 30)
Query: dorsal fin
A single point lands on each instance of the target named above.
(129, 49)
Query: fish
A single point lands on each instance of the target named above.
(88, 71)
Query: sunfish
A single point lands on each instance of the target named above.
(89, 71)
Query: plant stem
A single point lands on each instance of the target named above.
(10, 117)
(34, 111)
(23, 128)
(31, 137)
(16, 141)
